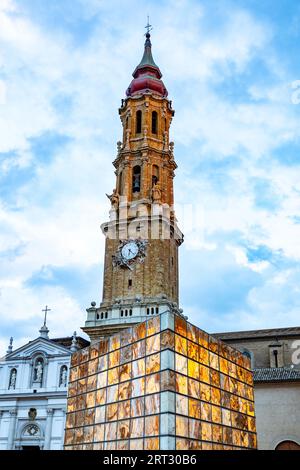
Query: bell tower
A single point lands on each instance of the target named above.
(142, 237)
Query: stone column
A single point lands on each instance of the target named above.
(12, 427)
(48, 430)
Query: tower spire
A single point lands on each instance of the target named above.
(44, 330)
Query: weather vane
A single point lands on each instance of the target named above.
(46, 310)
(148, 26)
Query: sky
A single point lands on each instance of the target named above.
(232, 70)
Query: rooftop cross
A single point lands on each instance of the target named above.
(148, 26)
(46, 310)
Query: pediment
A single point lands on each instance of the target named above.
(38, 345)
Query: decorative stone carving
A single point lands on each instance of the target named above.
(156, 194)
(32, 413)
(63, 376)
(38, 371)
(12, 379)
(114, 198)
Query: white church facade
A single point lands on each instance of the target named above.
(33, 392)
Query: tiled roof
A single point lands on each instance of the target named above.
(272, 333)
(275, 374)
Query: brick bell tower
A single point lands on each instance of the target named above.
(142, 237)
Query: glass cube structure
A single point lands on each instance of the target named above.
(163, 384)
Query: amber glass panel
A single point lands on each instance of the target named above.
(91, 383)
(252, 440)
(203, 338)
(78, 436)
(114, 342)
(123, 445)
(98, 446)
(90, 416)
(193, 388)
(125, 372)
(101, 396)
(223, 365)
(126, 337)
(192, 350)
(151, 444)
(204, 374)
(227, 435)
(136, 444)
(226, 419)
(123, 429)
(81, 387)
(112, 412)
(194, 408)
(83, 369)
(137, 427)
(102, 379)
(84, 354)
(151, 425)
(180, 345)
(99, 432)
(194, 429)
(110, 445)
(153, 326)
(69, 436)
(70, 421)
(114, 359)
(236, 437)
(125, 354)
(112, 394)
(206, 432)
(137, 407)
(244, 439)
(192, 332)
(153, 344)
(180, 326)
(125, 391)
(215, 396)
(216, 433)
(182, 444)
(181, 384)
(138, 387)
(124, 409)
(203, 355)
(74, 374)
(182, 426)
(181, 364)
(233, 388)
(75, 359)
(111, 431)
(214, 377)
(102, 363)
(182, 405)
(206, 411)
(88, 434)
(251, 424)
(152, 403)
(80, 402)
(195, 445)
(100, 414)
(90, 399)
(103, 346)
(139, 349)
(167, 340)
(250, 408)
(216, 414)
(152, 363)
(225, 399)
(234, 402)
(139, 331)
(152, 383)
(193, 369)
(113, 376)
(205, 392)
(93, 365)
(214, 360)
(138, 368)
(231, 369)
(80, 415)
(213, 344)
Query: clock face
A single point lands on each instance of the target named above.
(130, 251)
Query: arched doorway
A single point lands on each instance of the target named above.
(287, 445)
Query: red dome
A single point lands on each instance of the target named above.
(147, 76)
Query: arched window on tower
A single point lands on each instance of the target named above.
(136, 179)
(155, 174)
(154, 122)
(138, 125)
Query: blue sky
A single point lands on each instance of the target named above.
(231, 68)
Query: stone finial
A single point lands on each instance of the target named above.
(74, 345)
(10, 347)
(119, 147)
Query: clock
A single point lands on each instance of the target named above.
(130, 250)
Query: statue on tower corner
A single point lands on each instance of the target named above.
(156, 194)
(114, 198)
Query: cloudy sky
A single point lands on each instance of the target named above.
(231, 68)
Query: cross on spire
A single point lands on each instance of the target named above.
(46, 310)
(148, 26)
